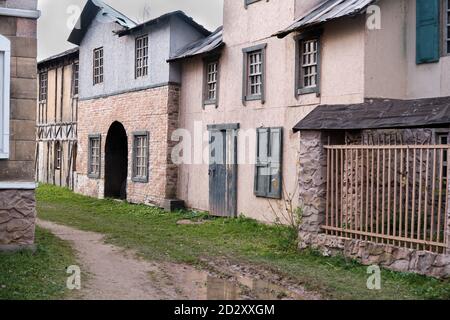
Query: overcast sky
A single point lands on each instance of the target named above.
(53, 27)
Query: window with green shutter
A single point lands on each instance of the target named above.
(427, 31)
(269, 162)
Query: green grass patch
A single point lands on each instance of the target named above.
(157, 236)
(40, 275)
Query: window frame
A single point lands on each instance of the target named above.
(299, 40)
(445, 25)
(134, 177)
(206, 62)
(277, 194)
(58, 155)
(5, 68)
(43, 95)
(75, 79)
(91, 138)
(246, 96)
(100, 67)
(143, 57)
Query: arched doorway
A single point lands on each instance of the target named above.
(116, 162)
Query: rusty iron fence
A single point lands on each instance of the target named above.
(395, 195)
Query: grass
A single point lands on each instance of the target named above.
(156, 236)
(36, 276)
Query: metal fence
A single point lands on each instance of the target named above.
(394, 195)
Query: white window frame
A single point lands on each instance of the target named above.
(5, 65)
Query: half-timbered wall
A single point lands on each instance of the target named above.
(57, 124)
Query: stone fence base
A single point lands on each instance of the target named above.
(387, 256)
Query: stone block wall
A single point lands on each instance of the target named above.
(312, 193)
(17, 195)
(154, 110)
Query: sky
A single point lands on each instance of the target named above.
(57, 16)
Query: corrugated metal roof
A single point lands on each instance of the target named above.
(180, 14)
(325, 11)
(379, 114)
(90, 12)
(73, 51)
(214, 41)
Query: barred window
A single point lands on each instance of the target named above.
(94, 156)
(141, 56)
(212, 73)
(140, 157)
(75, 81)
(98, 66)
(254, 73)
(43, 80)
(58, 155)
(309, 61)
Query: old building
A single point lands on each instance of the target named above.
(57, 113)
(128, 102)
(373, 172)
(17, 122)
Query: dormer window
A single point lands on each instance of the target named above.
(5, 60)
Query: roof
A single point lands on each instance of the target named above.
(327, 10)
(202, 46)
(73, 52)
(180, 14)
(90, 12)
(379, 114)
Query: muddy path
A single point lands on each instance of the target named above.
(113, 273)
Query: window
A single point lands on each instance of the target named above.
(268, 163)
(98, 66)
(308, 63)
(75, 77)
(446, 27)
(140, 157)
(253, 84)
(58, 155)
(5, 63)
(94, 156)
(141, 56)
(211, 81)
(43, 81)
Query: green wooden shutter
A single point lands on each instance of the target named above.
(262, 162)
(427, 31)
(276, 152)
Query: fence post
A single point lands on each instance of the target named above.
(312, 184)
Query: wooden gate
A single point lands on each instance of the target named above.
(394, 195)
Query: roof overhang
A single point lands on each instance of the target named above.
(90, 12)
(327, 10)
(379, 114)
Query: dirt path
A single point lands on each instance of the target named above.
(109, 272)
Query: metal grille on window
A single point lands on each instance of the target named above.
(141, 157)
(212, 72)
(98, 66)
(43, 86)
(76, 69)
(58, 155)
(141, 56)
(95, 156)
(309, 59)
(254, 73)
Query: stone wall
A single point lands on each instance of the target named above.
(17, 217)
(312, 192)
(17, 199)
(154, 110)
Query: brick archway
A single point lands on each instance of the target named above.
(116, 162)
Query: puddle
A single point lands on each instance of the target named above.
(200, 285)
